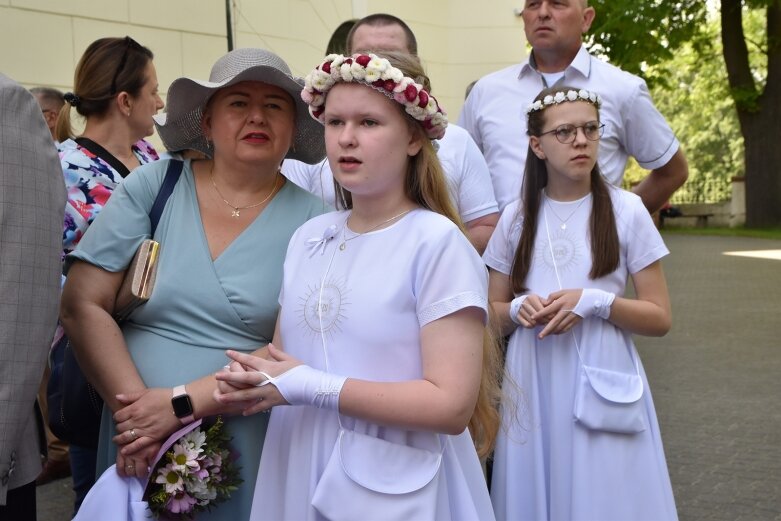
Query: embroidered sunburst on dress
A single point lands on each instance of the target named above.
(567, 249)
(323, 311)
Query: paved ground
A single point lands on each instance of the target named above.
(716, 381)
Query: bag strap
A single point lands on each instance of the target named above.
(104, 154)
(169, 182)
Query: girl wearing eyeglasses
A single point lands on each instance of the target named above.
(582, 439)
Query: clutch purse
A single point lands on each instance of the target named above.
(139, 280)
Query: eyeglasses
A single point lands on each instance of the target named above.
(566, 134)
(129, 42)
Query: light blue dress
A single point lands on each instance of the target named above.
(199, 307)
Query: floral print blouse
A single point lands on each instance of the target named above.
(90, 181)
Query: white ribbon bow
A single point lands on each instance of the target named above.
(319, 243)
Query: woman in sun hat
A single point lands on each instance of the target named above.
(223, 233)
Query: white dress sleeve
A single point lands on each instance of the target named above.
(643, 242)
(449, 276)
(501, 247)
(475, 192)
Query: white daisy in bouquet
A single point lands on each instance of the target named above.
(194, 475)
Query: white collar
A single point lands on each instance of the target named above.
(581, 63)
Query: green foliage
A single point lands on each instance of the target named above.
(700, 107)
(638, 35)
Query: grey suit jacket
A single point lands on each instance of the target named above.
(32, 202)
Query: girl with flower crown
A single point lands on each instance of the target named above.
(381, 354)
(585, 443)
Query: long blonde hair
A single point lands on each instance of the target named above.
(426, 185)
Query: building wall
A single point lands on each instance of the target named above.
(41, 40)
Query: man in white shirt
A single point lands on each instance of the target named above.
(495, 115)
(465, 168)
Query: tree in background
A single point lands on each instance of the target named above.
(758, 102)
(639, 35)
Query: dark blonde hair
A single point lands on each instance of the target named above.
(108, 67)
(602, 222)
(425, 184)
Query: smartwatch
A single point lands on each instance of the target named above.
(183, 406)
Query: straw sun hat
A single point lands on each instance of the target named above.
(180, 126)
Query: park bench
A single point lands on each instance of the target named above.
(701, 218)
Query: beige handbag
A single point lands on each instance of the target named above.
(139, 280)
(141, 275)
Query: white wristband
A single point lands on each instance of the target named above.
(304, 385)
(594, 302)
(515, 308)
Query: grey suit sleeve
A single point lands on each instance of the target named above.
(32, 202)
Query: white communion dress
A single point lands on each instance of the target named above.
(547, 466)
(367, 303)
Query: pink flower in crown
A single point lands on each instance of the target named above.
(415, 111)
(380, 74)
(181, 503)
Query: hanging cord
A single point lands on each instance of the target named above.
(558, 281)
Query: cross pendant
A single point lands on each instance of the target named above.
(235, 213)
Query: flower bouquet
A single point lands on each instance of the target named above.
(193, 474)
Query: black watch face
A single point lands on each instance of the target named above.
(182, 406)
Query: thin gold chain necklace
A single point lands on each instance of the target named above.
(237, 209)
(386, 221)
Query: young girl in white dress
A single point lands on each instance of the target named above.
(584, 442)
(381, 333)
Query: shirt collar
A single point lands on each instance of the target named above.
(581, 64)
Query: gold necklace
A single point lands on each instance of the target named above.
(563, 222)
(386, 221)
(237, 209)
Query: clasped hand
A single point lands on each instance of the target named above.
(244, 380)
(142, 426)
(554, 312)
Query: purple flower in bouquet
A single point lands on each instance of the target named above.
(194, 474)
(181, 503)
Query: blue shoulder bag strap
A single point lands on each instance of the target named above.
(169, 182)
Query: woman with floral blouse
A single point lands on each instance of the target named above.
(116, 92)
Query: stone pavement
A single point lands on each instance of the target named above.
(715, 378)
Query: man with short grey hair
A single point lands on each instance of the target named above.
(495, 115)
(51, 102)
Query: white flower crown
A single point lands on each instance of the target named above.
(379, 74)
(561, 97)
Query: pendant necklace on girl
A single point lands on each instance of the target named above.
(236, 213)
(343, 245)
(563, 222)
